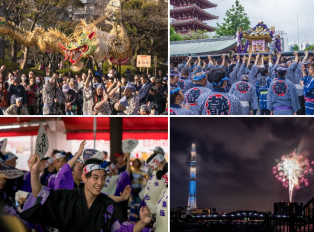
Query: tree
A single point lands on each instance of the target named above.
(147, 26)
(235, 18)
(13, 10)
(198, 34)
(309, 48)
(296, 48)
(174, 36)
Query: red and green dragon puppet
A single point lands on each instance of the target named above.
(87, 40)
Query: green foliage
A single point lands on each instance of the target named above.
(35, 71)
(309, 48)
(198, 34)
(66, 70)
(10, 66)
(296, 48)
(147, 26)
(107, 67)
(174, 36)
(235, 18)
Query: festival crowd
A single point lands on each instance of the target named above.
(86, 94)
(266, 86)
(68, 193)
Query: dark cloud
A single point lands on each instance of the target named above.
(235, 159)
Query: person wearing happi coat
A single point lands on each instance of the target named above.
(154, 185)
(246, 94)
(184, 82)
(300, 86)
(200, 87)
(7, 204)
(233, 71)
(218, 102)
(309, 89)
(176, 98)
(81, 209)
(13, 185)
(262, 86)
(161, 223)
(59, 160)
(259, 62)
(282, 97)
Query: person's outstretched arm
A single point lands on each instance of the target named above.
(33, 164)
(145, 218)
(89, 77)
(123, 196)
(72, 161)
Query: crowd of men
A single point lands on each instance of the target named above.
(266, 86)
(63, 192)
(83, 94)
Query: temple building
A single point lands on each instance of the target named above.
(179, 50)
(189, 15)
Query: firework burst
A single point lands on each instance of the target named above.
(291, 170)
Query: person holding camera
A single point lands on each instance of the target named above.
(156, 98)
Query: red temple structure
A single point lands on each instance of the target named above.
(189, 15)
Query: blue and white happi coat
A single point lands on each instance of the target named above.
(218, 102)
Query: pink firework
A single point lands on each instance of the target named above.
(291, 170)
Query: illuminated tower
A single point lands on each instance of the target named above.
(192, 188)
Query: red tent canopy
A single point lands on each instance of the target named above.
(134, 127)
(20, 126)
(82, 127)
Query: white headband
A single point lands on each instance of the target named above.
(59, 155)
(156, 161)
(91, 167)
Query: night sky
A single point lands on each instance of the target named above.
(235, 159)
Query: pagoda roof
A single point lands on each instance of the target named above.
(201, 46)
(180, 10)
(203, 3)
(195, 22)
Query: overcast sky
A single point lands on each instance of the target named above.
(279, 13)
(235, 159)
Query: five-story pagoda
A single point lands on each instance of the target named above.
(189, 15)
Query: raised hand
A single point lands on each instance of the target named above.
(33, 163)
(145, 215)
(82, 145)
(126, 193)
